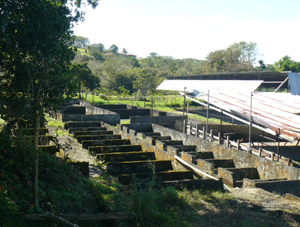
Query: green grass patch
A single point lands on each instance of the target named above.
(167, 104)
(54, 123)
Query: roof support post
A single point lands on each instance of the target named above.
(250, 123)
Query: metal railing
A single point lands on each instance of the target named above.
(201, 133)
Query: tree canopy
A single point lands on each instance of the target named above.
(35, 55)
(239, 57)
(287, 64)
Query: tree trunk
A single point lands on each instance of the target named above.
(37, 122)
(79, 88)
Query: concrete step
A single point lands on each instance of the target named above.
(98, 133)
(194, 155)
(126, 156)
(99, 137)
(144, 134)
(114, 148)
(233, 177)
(91, 143)
(152, 139)
(189, 148)
(200, 184)
(82, 124)
(117, 168)
(157, 176)
(81, 129)
(211, 164)
(163, 144)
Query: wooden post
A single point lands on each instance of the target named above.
(221, 118)
(190, 131)
(238, 144)
(227, 141)
(289, 161)
(278, 145)
(204, 136)
(272, 156)
(259, 152)
(197, 130)
(211, 135)
(151, 110)
(187, 111)
(175, 97)
(219, 135)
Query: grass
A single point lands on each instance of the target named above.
(54, 123)
(167, 104)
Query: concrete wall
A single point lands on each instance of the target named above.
(127, 113)
(267, 169)
(146, 147)
(74, 110)
(112, 119)
(94, 109)
(112, 107)
(174, 122)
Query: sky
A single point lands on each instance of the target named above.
(194, 28)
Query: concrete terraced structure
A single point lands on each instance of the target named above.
(148, 150)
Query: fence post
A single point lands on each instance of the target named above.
(197, 130)
(204, 136)
(238, 144)
(191, 127)
(272, 156)
(259, 152)
(219, 135)
(227, 141)
(211, 135)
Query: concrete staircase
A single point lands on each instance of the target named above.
(127, 161)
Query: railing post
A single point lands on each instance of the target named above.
(211, 135)
(219, 135)
(204, 136)
(197, 128)
(272, 156)
(259, 152)
(238, 144)
(227, 141)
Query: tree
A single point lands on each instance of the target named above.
(35, 54)
(124, 51)
(113, 49)
(238, 57)
(98, 46)
(287, 64)
(84, 77)
(81, 42)
(146, 80)
(96, 53)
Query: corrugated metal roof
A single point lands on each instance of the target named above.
(276, 111)
(200, 87)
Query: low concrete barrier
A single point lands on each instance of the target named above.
(74, 110)
(112, 119)
(233, 177)
(267, 169)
